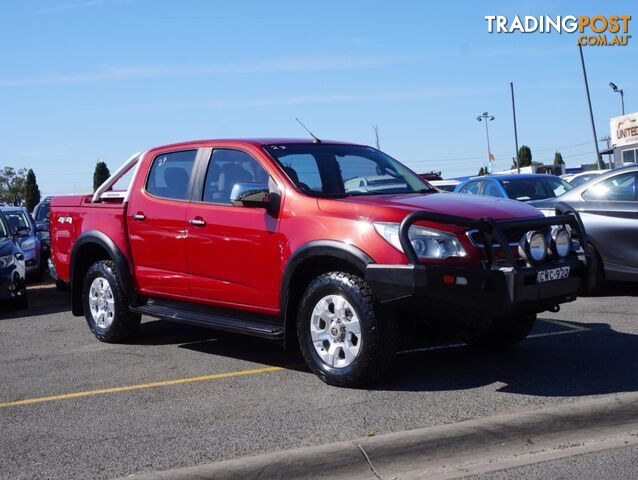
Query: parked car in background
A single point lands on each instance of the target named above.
(429, 176)
(304, 243)
(608, 207)
(22, 225)
(521, 187)
(582, 177)
(13, 285)
(445, 185)
(41, 217)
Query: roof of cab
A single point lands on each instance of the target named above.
(258, 142)
(513, 176)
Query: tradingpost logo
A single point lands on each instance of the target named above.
(595, 30)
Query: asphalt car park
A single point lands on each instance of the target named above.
(72, 407)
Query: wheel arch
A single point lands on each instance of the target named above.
(90, 247)
(307, 262)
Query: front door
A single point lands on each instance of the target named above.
(157, 225)
(232, 251)
(610, 214)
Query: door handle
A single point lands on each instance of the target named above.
(197, 222)
(139, 216)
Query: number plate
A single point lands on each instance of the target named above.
(552, 274)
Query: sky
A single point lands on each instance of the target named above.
(89, 80)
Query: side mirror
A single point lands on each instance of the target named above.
(42, 227)
(253, 195)
(23, 231)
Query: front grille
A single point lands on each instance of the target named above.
(513, 235)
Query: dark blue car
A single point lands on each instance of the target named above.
(522, 187)
(22, 225)
(13, 285)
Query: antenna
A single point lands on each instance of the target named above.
(314, 137)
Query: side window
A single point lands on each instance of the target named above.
(629, 156)
(43, 213)
(491, 189)
(472, 188)
(226, 168)
(170, 174)
(621, 188)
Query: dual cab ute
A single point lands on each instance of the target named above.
(334, 247)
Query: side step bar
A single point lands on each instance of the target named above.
(247, 323)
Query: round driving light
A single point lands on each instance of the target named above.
(533, 246)
(561, 242)
(419, 247)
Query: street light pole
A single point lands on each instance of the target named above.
(486, 117)
(599, 158)
(622, 95)
(518, 165)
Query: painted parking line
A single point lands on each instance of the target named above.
(572, 329)
(141, 386)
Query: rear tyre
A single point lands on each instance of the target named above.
(502, 333)
(346, 338)
(106, 306)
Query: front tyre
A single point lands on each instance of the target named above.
(502, 332)
(105, 304)
(345, 337)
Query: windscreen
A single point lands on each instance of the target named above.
(526, 189)
(3, 229)
(333, 170)
(17, 219)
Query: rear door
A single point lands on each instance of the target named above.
(232, 251)
(157, 224)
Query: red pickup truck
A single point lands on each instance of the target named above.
(334, 247)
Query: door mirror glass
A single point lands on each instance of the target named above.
(253, 195)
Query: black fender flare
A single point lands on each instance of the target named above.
(104, 241)
(325, 248)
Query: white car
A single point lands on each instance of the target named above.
(444, 185)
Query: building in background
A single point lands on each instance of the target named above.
(624, 139)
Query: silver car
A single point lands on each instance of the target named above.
(608, 207)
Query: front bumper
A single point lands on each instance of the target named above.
(495, 292)
(498, 287)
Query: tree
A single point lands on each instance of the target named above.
(558, 159)
(481, 171)
(524, 156)
(31, 191)
(12, 186)
(100, 175)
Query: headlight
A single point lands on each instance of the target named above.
(533, 246)
(561, 242)
(427, 242)
(7, 261)
(28, 244)
(548, 212)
